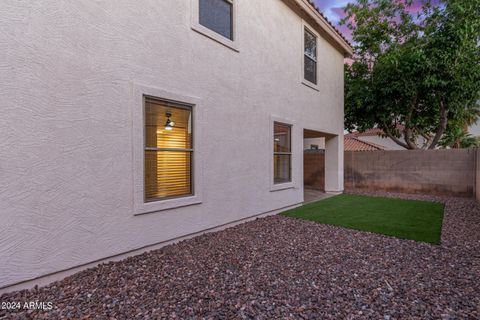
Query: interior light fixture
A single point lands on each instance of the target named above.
(169, 124)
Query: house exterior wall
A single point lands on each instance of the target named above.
(474, 130)
(387, 143)
(70, 75)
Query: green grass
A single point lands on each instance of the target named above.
(406, 219)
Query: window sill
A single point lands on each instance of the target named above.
(282, 186)
(215, 36)
(162, 205)
(311, 85)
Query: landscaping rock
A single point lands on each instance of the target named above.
(280, 267)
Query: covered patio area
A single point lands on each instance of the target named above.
(322, 165)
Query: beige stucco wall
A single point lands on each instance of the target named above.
(69, 72)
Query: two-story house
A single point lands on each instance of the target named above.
(129, 124)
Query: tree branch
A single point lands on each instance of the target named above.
(395, 139)
(407, 132)
(425, 136)
(442, 126)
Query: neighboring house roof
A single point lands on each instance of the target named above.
(371, 132)
(366, 133)
(354, 144)
(309, 7)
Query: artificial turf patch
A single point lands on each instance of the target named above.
(406, 219)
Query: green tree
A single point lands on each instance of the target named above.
(413, 76)
(458, 139)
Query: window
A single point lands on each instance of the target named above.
(168, 150)
(217, 15)
(310, 57)
(282, 153)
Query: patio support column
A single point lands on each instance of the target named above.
(334, 164)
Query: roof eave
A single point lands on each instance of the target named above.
(309, 8)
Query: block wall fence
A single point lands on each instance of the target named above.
(454, 172)
(314, 170)
(437, 172)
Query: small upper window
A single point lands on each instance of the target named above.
(217, 15)
(310, 57)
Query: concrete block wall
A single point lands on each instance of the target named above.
(438, 172)
(314, 169)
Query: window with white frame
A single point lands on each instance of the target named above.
(310, 56)
(168, 150)
(282, 153)
(217, 15)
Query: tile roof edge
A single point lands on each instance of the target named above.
(314, 6)
(371, 144)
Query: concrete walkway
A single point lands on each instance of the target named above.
(312, 195)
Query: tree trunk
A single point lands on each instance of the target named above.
(427, 138)
(394, 139)
(442, 125)
(407, 132)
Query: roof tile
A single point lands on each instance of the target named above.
(329, 22)
(354, 144)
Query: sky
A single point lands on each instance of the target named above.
(333, 10)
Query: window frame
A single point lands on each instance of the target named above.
(293, 158)
(141, 206)
(284, 153)
(178, 105)
(307, 28)
(201, 29)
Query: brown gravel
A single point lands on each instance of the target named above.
(279, 267)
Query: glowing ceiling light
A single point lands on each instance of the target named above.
(169, 124)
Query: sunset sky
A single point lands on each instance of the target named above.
(333, 10)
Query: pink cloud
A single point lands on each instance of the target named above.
(334, 11)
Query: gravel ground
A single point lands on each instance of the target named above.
(280, 267)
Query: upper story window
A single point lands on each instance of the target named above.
(217, 15)
(217, 20)
(310, 56)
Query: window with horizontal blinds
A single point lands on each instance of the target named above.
(168, 150)
(282, 153)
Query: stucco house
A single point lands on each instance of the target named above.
(127, 125)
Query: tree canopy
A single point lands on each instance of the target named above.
(413, 75)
